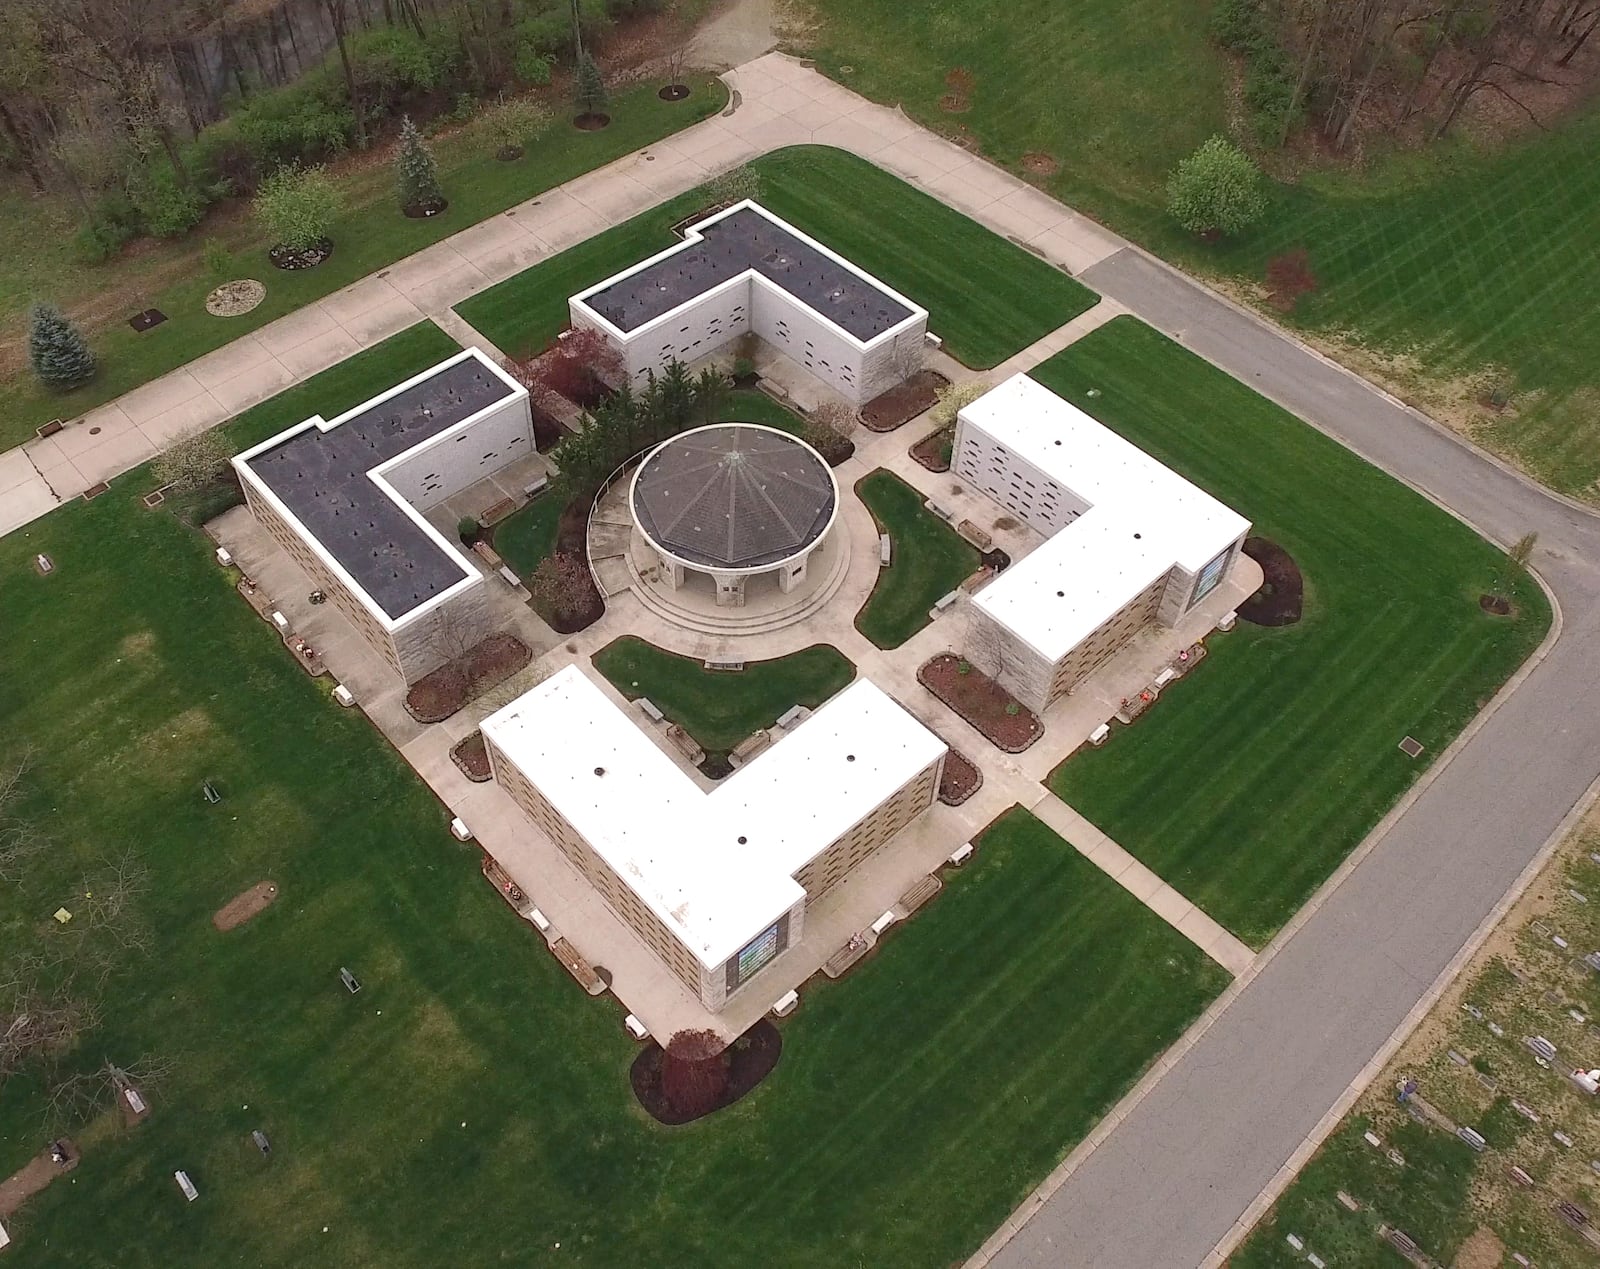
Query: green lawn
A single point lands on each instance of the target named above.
(925, 250)
(720, 708)
(471, 1105)
(1250, 781)
(369, 236)
(527, 537)
(1459, 259)
(930, 561)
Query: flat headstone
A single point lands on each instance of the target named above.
(1488, 1081)
(1525, 1110)
(1372, 1139)
(1295, 1241)
(1457, 1058)
(1472, 1137)
(1577, 1017)
(1522, 1260)
(1539, 1046)
(261, 1142)
(1520, 1177)
(1348, 1202)
(1411, 747)
(1592, 960)
(1594, 1166)
(1315, 1261)
(1539, 927)
(1578, 895)
(1563, 1139)
(1474, 1011)
(1396, 1158)
(1559, 941)
(1496, 1030)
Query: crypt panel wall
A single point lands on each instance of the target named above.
(835, 862)
(1040, 501)
(340, 595)
(629, 908)
(442, 468)
(1108, 640)
(800, 335)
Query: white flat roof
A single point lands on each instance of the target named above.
(716, 867)
(1143, 518)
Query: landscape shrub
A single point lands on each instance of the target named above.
(303, 122)
(532, 66)
(222, 158)
(1216, 190)
(296, 207)
(57, 350)
(112, 222)
(166, 209)
(1246, 27)
(394, 67)
(513, 122)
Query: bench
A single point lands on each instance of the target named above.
(686, 744)
(943, 604)
(488, 555)
(1100, 735)
(579, 968)
(785, 1004)
(961, 854)
(978, 537)
(885, 550)
(730, 663)
(536, 487)
(749, 747)
(921, 891)
(939, 511)
(649, 709)
(790, 717)
(510, 578)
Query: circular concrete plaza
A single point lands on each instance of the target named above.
(734, 501)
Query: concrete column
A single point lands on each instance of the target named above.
(792, 574)
(730, 590)
(671, 572)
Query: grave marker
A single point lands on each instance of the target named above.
(186, 1185)
(261, 1142)
(351, 983)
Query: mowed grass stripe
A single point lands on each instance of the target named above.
(1254, 777)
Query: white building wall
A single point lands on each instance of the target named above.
(1038, 500)
(443, 630)
(803, 337)
(444, 466)
(1011, 662)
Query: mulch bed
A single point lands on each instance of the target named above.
(1289, 277)
(1280, 599)
(436, 696)
(1038, 163)
(982, 702)
(306, 258)
(933, 452)
(961, 779)
(1499, 605)
(33, 1177)
(242, 907)
(673, 92)
(957, 97)
(148, 318)
(472, 756)
(508, 153)
(903, 402)
(421, 211)
(751, 1058)
(592, 122)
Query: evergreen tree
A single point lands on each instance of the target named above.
(416, 179)
(591, 89)
(57, 349)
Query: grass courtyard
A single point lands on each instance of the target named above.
(471, 1105)
(921, 248)
(1250, 780)
(930, 559)
(369, 235)
(1466, 258)
(720, 708)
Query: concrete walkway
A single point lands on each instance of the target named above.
(1210, 1130)
(1222, 947)
(780, 103)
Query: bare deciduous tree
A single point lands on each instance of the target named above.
(78, 1097)
(21, 841)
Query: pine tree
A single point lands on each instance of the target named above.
(416, 179)
(591, 89)
(57, 349)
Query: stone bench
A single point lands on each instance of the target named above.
(885, 550)
(579, 968)
(749, 747)
(729, 663)
(648, 708)
(978, 537)
(790, 717)
(920, 892)
(939, 511)
(686, 744)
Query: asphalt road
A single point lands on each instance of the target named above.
(1170, 1182)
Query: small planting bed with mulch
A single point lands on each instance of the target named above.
(961, 779)
(673, 92)
(436, 696)
(747, 1061)
(422, 211)
(1497, 605)
(292, 258)
(903, 402)
(1281, 597)
(593, 121)
(934, 452)
(1006, 722)
(472, 756)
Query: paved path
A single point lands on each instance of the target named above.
(1174, 1172)
(1144, 885)
(1172, 1180)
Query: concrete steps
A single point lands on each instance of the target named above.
(613, 575)
(607, 539)
(733, 622)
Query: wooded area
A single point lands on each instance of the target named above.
(1408, 68)
(147, 111)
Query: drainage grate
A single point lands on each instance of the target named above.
(1411, 746)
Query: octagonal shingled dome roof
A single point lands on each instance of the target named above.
(735, 496)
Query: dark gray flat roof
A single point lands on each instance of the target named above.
(748, 240)
(734, 496)
(322, 478)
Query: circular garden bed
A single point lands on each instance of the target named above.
(1281, 598)
(698, 1088)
